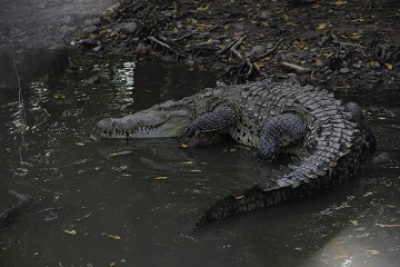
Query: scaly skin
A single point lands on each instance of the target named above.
(327, 136)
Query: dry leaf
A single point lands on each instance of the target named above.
(388, 66)
(373, 251)
(257, 66)
(292, 23)
(322, 26)
(161, 178)
(79, 143)
(116, 237)
(96, 168)
(59, 96)
(356, 35)
(354, 222)
(340, 3)
(125, 152)
(184, 145)
(194, 21)
(70, 232)
(196, 170)
(300, 44)
(329, 55)
(201, 9)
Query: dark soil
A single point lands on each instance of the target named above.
(335, 44)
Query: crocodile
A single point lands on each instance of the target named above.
(327, 136)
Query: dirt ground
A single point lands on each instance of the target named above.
(336, 44)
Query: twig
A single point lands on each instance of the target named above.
(233, 44)
(162, 44)
(21, 104)
(269, 52)
(297, 68)
(236, 45)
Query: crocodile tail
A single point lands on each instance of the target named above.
(252, 199)
(258, 197)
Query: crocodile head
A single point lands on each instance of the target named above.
(167, 119)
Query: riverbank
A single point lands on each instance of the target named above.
(339, 44)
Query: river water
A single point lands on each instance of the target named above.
(117, 203)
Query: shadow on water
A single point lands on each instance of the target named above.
(118, 203)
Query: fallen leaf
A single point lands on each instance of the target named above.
(354, 222)
(116, 237)
(79, 143)
(300, 44)
(184, 145)
(59, 96)
(340, 3)
(96, 168)
(373, 251)
(356, 35)
(70, 232)
(201, 9)
(322, 26)
(329, 55)
(161, 178)
(292, 23)
(196, 170)
(388, 66)
(256, 66)
(125, 152)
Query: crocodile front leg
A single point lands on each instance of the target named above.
(280, 132)
(217, 120)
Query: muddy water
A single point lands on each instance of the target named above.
(102, 203)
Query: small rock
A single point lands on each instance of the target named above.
(88, 23)
(128, 27)
(66, 19)
(257, 50)
(167, 13)
(265, 14)
(90, 29)
(358, 64)
(202, 35)
(344, 70)
(239, 26)
(270, 45)
(96, 21)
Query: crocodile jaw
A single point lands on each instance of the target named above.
(150, 123)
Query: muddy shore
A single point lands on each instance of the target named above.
(334, 44)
